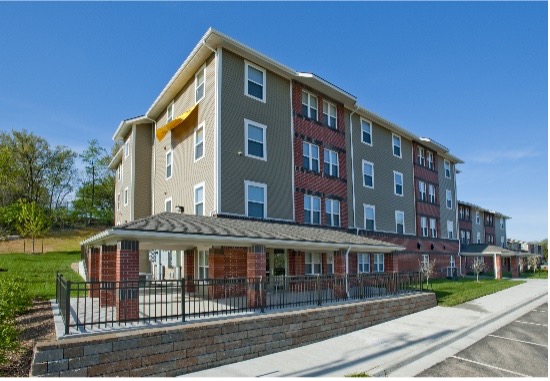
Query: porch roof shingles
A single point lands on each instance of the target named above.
(183, 226)
(478, 249)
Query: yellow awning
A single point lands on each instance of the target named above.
(162, 131)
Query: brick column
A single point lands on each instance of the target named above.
(127, 274)
(107, 275)
(216, 270)
(93, 270)
(189, 270)
(390, 262)
(498, 266)
(340, 273)
(514, 267)
(255, 268)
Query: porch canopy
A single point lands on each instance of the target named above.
(485, 250)
(173, 231)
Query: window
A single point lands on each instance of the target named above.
(425, 259)
(478, 221)
(424, 226)
(399, 222)
(461, 212)
(255, 140)
(199, 84)
(447, 169)
(363, 263)
(332, 212)
(198, 199)
(398, 183)
(311, 157)
(422, 190)
(330, 263)
(203, 264)
(430, 159)
(450, 229)
(369, 217)
(126, 148)
(452, 262)
(199, 142)
(125, 196)
(378, 263)
(467, 214)
(120, 171)
(467, 237)
(118, 201)
(431, 193)
(421, 159)
(313, 263)
(501, 223)
(309, 105)
(448, 198)
(255, 194)
(168, 164)
(368, 174)
(254, 82)
(168, 205)
(433, 227)
(366, 132)
(478, 237)
(329, 114)
(312, 210)
(502, 241)
(396, 145)
(331, 163)
(462, 236)
(170, 112)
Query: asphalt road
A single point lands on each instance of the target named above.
(515, 350)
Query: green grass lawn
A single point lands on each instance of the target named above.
(537, 275)
(452, 292)
(38, 271)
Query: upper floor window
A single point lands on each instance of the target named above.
(331, 163)
(169, 164)
(125, 196)
(332, 212)
(421, 158)
(461, 212)
(255, 195)
(467, 237)
(478, 221)
(118, 201)
(422, 190)
(309, 105)
(312, 210)
(254, 81)
(398, 183)
(366, 132)
(168, 205)
(199, 84)
(329, 114)
(399, 222)
(311, 157)
(313, 263)
(119, 172)
(502, 241)
(424, 226)
(363, 263)
(501, 223)
(198, 200)
(378, 263)
(431, 193)
(467, 214)
(396, 140)
(255, 141)
(448, 199)
(199, 142)
(430, 159)
(369, 212)
(126, 148)
(433, 227)
(368, 174)
(450, 229)
(447, 169)
(478, 237)
(170, 112)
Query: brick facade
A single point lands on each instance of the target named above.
(107, 275)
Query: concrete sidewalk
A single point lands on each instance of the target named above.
(401, 347)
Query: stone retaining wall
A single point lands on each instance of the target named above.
(191, 347)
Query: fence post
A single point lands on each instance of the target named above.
(67, 307)
(183, 283)
(57, 287)
(318, 289)
(262, 301)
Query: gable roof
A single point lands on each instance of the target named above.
(482, 249)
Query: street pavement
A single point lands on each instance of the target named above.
(403, 347)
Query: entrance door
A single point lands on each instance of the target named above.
(278, 263)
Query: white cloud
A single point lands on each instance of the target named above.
(491, 157)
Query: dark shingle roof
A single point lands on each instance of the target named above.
(485, 249)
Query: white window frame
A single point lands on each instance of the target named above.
(378, 265)
(368, 163)
(121, 171)
(126, 196)
(195, 144)
(118, 197)
(433, 227)
(402, 214)
(502, 241)
(248, 122)
(197, 85)
(310, 156)
(258, 185)
(327, 107)
(126, 148)
(166, 201)
(330, 263)
(452, 262)
(501, 223)
(395, 173)
(197, 202)
(448, 199)
(264, 85)
(478, 218)
(363, 263)
(313, 259)
(363, 130)
(424, 226)
(170, 112)
(478, 237)
(332, 211)
(468, 237)
(422, 191)
(447, 166)
(425, 259)
(365, 207)
(312, 210)
(399, 146)
(309, 96)
(430, 159)
(202, 264)
(169, 165)
(450, 232)
(431, 193)
(330, 164)
(421, 157)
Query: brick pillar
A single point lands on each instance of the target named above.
(390, 262)
(514, 267)
(107, 275)
(216, 270)
(93, 271)
(340, 273)
(498, 267)
(127, 274)
(255, 268)
(189, 270)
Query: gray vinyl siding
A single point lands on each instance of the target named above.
(275, 113)
(186, 173)
(385, 163)
(444, 185)
(142, 163)
(477, 228)
(499, 232)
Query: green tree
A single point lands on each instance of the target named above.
(32, 221)
(544, 244)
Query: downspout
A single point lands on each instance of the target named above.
(457, 221)
(352, 172)
(347, 271)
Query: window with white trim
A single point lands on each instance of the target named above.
(433, 227)
(431, 193)
(502, 241)
(424, 226)
(254, 81)
(168, 205)
(199, 142)
(329, 114)
(449, 200)
(169, 161)
(125, 196)
(330, 263)
(378, 263)
(363, 263)
(369, 212)
(120, 172)
(200, 84)
(312, 210)
(478, 237)
(313, 263)
(463, 236)
(368, 174)
(399, 222)
(203, 264)
(452, 263)
(421, 158)
(447, 164)
(127, 148)
(397, 183)
(430, 159)
(425, 259)
(422, 190)
(478, 220)
(332, 212)
(366, 132)
(501, 223)
(198, 199)
(170, 112)
(396, 141)
(255, 195)
(310, 157)
(118, 196)
(309, 105)
(450, 229)
(255, 139)
(331, 163)
(467, 237)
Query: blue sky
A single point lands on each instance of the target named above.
(472, 76)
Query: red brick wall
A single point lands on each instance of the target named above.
(443, 246)
(107, 274)
(410, 262)
(296, 262)
(127, 273)
(235, 262)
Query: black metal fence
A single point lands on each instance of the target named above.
(90, 305)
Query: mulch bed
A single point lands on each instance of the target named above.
(35, 325)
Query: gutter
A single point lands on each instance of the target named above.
(347, 271)
(352, 168)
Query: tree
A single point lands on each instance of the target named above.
(544, 244)
(478, 266)
(533, 262)
(61, 177)
(32, 221)
(427, 269)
